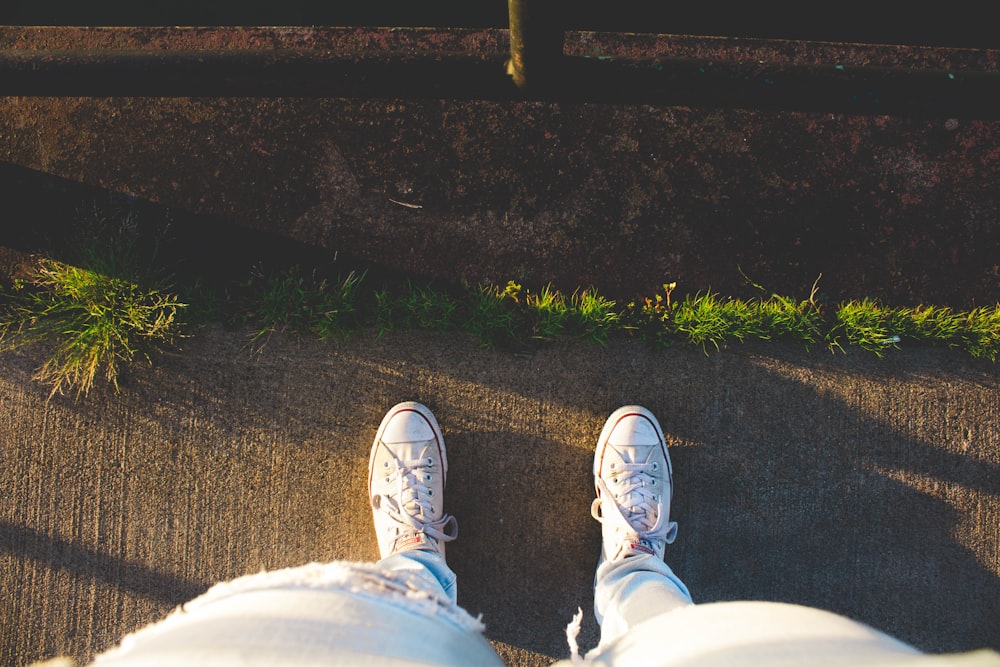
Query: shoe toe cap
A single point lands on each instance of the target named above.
(408, 425)
(634, 430)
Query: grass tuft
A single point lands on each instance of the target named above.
(548, 312)
(490, 314)
(595, 315)
(95, 323)
(427, 308)
(415, 307)
(865, 324)
(874, 327)
(708, 320)
(302, 302)
(980, 332)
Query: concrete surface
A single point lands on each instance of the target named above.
(868, 487)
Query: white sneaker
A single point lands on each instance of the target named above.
(406, 478)
(634, 484)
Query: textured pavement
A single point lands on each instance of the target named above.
(868, 487)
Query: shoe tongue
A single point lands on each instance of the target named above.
(410, 451)
(635, 435)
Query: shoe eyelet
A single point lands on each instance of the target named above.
(386, 480)
(612, 466)
(385, 464)
(430, 492)
(653, 483)
(656, 466)
(430, 461)
(614, 480)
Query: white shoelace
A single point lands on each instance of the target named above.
(410, 504)
(638, 511)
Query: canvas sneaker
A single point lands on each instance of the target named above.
(406, 478)
(634, 483)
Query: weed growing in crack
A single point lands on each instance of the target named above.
(383, 312)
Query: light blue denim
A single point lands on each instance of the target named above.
(631, 590)
(430, 566)
(626, 592)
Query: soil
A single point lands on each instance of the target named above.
(622, 198)
(904, 231)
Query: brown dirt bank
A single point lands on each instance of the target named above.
(622, 198)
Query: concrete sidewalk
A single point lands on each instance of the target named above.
(868, 487)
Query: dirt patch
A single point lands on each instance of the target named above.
(623, 198)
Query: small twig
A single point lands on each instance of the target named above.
(403, 203)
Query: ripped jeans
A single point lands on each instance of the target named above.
(403, 609)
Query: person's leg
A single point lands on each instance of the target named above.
(429, 566)
(406, 478)
(645, 610)
(401, 610)
(634, 483)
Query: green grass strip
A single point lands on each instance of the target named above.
(96, 324)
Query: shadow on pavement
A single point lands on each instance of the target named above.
(862, 486)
